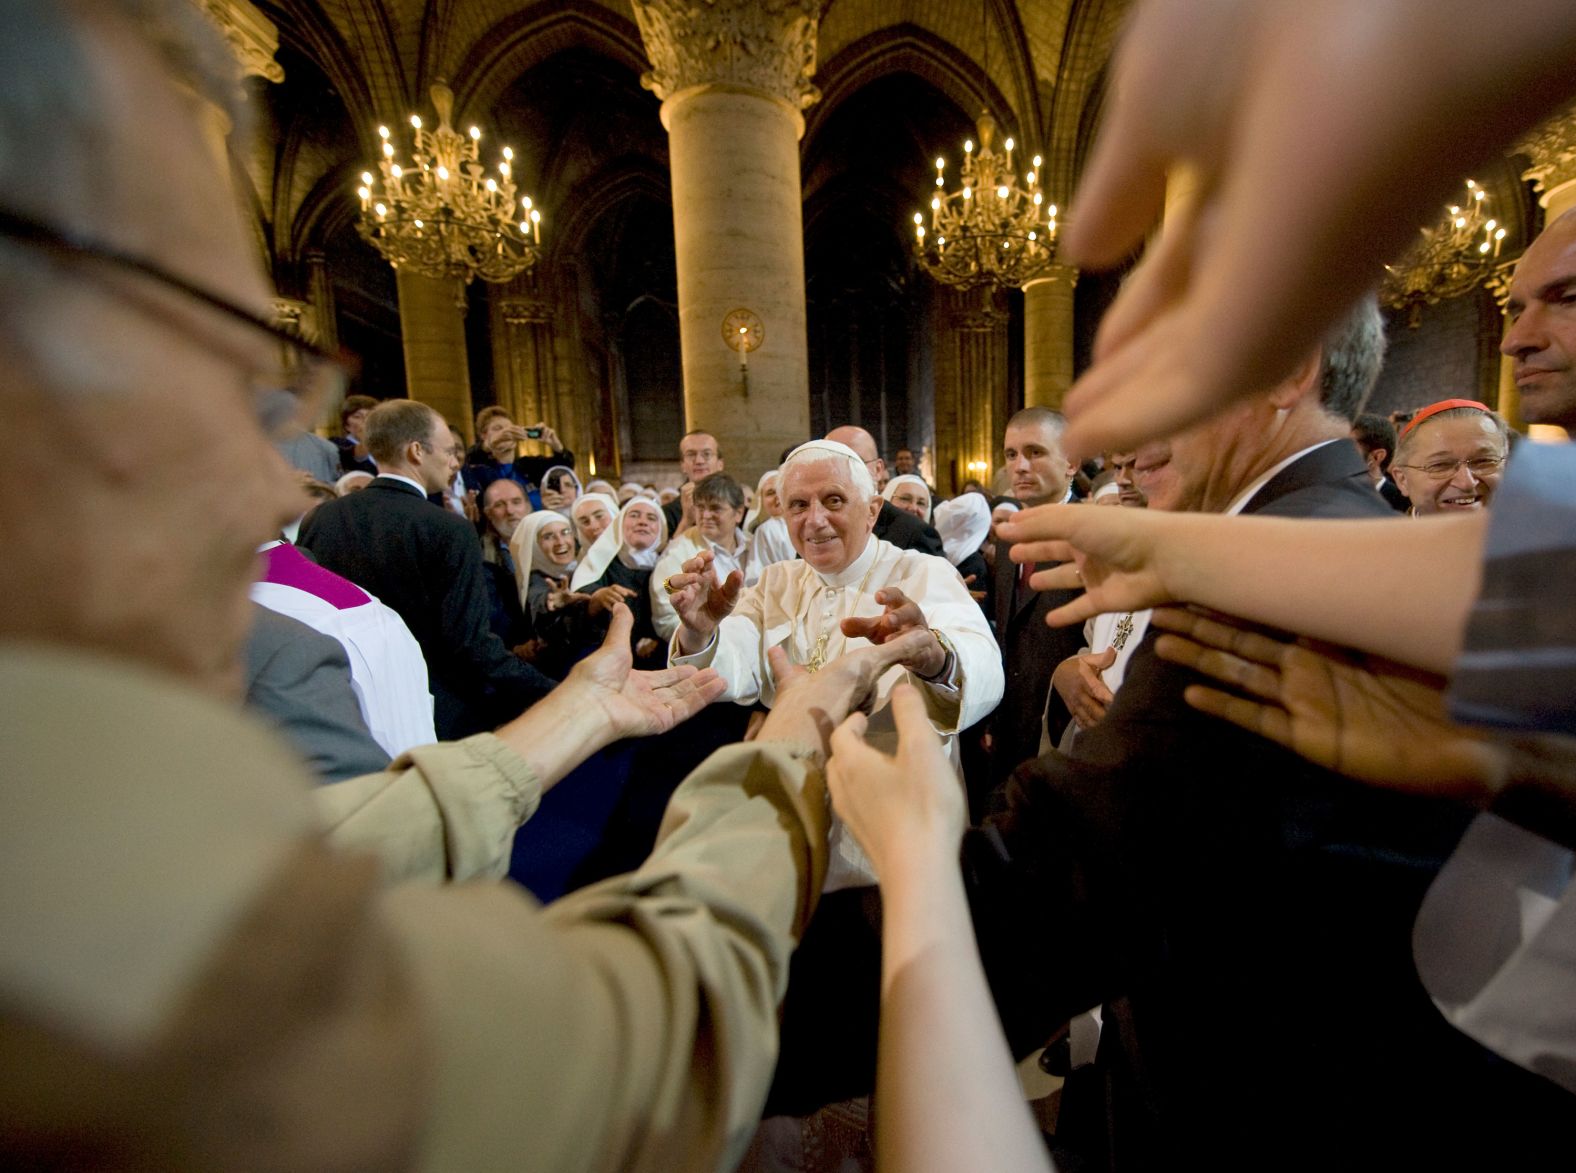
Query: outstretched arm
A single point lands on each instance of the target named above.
(946, 1095)
(1401, 591)
(450, 811)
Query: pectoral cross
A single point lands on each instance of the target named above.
(1124, 629)
(818, 657)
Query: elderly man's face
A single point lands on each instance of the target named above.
(1035, 463)
(166, 386)
(505, 506)
(1542, 335)
(828, 524)
(1452, 465)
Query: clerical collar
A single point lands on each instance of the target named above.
(855, 570)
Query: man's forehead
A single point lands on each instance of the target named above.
(699, 442)
(1022, 435)
(827, 472)
(503, 490)
(1550, 259)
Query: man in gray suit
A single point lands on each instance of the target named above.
(299, 680)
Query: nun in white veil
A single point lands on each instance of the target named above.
(623, 559)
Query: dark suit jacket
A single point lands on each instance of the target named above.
(907, 532)
(426, 563)
(1030, 652)
(1246, 918)
(299, 680)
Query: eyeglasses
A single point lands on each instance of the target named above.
(1441, 470)
(287, 399)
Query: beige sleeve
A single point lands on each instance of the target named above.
(439, 812)
(633, 1024)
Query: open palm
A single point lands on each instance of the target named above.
(1378, 722)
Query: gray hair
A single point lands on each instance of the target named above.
(1352, 356)
(864, 484)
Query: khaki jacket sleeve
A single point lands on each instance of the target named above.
(633, 1024)
(439, 812)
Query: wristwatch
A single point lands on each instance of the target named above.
(947, 661)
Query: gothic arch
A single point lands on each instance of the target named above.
(531, 36)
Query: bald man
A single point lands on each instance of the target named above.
(904, 531)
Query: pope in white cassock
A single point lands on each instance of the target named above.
(847, 589)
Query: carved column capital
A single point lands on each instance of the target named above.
(765, 45)
(1057, 274)
(1552, 149)
(253, 38)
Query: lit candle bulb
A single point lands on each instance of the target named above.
(476, 134)
(415, 122)
(536, 225)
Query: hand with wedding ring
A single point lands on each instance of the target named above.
(700, 601)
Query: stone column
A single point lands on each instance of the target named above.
(733, 76)
(432, 327)
(1552, 149)
(1048, 337)
(971, 388)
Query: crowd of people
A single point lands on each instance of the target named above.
(1222, 756)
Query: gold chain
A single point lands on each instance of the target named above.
(818, 657)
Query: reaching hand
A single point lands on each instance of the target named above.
(639, 703)
(1294, 190)
(700, 601)
(1369, 719)
(608, 597)
(902, 614)
(810, 705)
(907, 804)
(1077, 681)
(1119, 556)
(472, 513)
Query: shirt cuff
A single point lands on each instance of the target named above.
(701, 659)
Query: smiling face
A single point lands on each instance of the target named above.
(771, 500)
(1542, 333)
(718, 521)
(556, 542)
(642, 525)
(1451, 464)
(505, 505)
(590, 520)
(912, 499)
(828, 524)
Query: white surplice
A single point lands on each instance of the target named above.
(792, 606)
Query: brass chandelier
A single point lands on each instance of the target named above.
(992, 230)
(1453, 257)
(441, 214)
